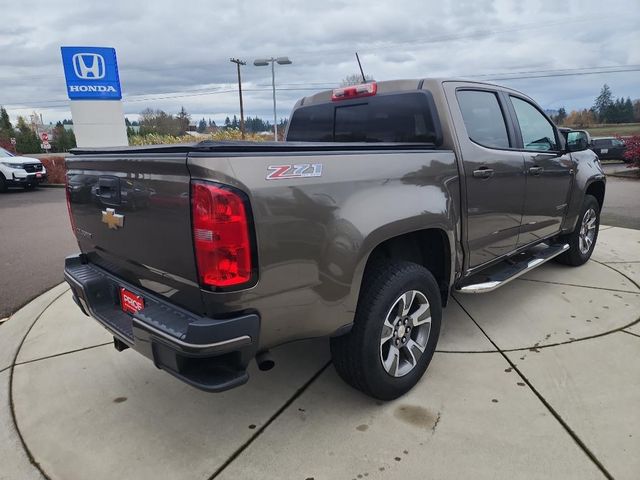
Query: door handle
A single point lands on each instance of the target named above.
(483, 172)
(536, 170)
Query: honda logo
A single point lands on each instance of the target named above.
(89, 66)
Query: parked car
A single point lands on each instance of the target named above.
(17, 171)
(385, 199)
(608, 148)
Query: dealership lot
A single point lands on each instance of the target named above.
(534, 380)
(35, 235)
(519, 388)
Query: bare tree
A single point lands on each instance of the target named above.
(355, 79)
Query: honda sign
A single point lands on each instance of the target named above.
(91, 73)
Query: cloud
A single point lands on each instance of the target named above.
(173, 49)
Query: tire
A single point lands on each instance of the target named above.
(359, 356)
(578, 253)
(3, 184)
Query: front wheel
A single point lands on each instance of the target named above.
(582, 240)
(395, 331)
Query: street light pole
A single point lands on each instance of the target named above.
(239, 62)
(263, 62)
(273, 87)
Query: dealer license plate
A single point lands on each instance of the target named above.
(130, 302)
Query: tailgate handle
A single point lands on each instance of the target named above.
(109, 190)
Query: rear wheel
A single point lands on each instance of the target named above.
(3, 184)
(582, 240)
(395, 330)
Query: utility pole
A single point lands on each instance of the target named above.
(238, 63)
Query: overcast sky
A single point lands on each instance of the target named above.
(174, 53)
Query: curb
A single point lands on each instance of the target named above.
(632, 174)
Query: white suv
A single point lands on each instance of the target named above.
(20, 171)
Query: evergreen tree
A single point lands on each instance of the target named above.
(603, 104)
(26, 140)
(183, 121)
(561, 116)
(202, 125)
(6, 129)
(227, 123)
(636, 110)
(628, 111)
(63, 139)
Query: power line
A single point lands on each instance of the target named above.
(319, 86)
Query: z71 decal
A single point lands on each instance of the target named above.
(301, 170)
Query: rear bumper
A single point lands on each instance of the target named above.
(209, 354)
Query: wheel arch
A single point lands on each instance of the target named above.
(596, 188)
(429, 247)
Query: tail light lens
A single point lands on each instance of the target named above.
(67, 190)
(220, 235)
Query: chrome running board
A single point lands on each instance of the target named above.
(498, 275)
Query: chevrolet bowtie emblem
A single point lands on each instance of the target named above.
(112, 219)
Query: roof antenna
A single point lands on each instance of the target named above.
(364, 80)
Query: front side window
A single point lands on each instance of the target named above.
(483, 118)
(537, 132)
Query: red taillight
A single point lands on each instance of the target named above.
(220, 235)
(355, 91)
(67, 189)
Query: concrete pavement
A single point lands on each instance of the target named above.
(538, 379)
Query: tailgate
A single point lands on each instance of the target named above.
(133, 218)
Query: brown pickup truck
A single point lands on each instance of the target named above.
(386, 199)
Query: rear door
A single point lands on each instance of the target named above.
(494, 172)
(133, 218)
(548, 171)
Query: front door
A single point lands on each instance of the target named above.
(494, 173)
(548, 172)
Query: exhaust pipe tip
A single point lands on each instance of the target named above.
(265, 361)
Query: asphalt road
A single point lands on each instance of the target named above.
(35, 235)
(621, 200)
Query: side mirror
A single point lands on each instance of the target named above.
(577, 141)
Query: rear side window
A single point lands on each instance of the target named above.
(483, 118)
(537, 132)
(602, 142)
(406, 117)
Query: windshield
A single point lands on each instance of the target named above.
(5, 153)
